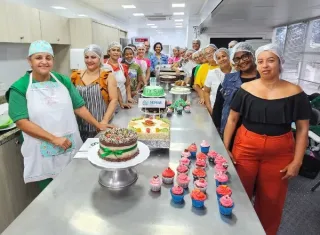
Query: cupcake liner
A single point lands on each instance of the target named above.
(197, 203)
(183, 185)
(227, 211)
(193, 155)
(177, 198)
(167, 180)
(204, 190)
(204, 149)
(218, 183)
(155, 188)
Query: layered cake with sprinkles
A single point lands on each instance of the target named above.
(118, 145)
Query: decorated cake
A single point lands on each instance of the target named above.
(118, 145)
(153, 91)
(151, 128)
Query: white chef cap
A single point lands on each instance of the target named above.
(232, 43)
(241, 46)
(198, 41)
(213, 46)
(113, 45)
(273, 48)
(141, 45)
(177, 48)
(220, 50)
(94, 49)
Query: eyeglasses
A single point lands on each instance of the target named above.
(244, 57)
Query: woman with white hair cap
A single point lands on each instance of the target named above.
(144, 63)
(98, 87)
(175, 58)
(120, 74)
(264, 151)
(216, 76)
(43, 104)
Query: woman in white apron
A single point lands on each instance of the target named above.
(98, 88)
(43, 104)
(216, 76)
(123, 82)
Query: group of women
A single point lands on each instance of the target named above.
(252, 108)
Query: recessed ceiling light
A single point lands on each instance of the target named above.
(59, 8)
(178, 13)
(178, 23)
(82, 15)
(128, 6)
(178, 20)
(138, 14)
(150, 24)
(154, 27)
(178, 4)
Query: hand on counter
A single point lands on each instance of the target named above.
(125, 106)
(131, 100)
(201, 101)
(103, 126)
(62, 142)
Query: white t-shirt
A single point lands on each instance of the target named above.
(213, 80)
(187, 68)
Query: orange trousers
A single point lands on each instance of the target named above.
(259, 159)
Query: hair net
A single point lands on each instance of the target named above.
(114, 44)
(40, 46)
(141, 46)
(241, 46)
(190, 51)
(218, 51)
(94, 49)
(195, 54)
(272, 48)
(125, 48)
(213, 46)
(198, 41)
(232, 43)
(177, 48)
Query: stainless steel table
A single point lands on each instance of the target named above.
(75, 203)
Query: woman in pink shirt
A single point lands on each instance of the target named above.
(176, 55)
(143, 62)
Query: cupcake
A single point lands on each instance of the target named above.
(177, 194)
(167, 176)
(202, 156)
(187, 109)
(220, 168)
(168, 102)
(186, 153)
(223, 190)
(226, 205)
(193, 150)
(201, 184)
(219, 160)
(221, 179)
(198, 198)
(182, 169)
(183, 180)
(212, 155)
(169, 111)
(179, 110)
(199, 173)
(201, 163)
(155, 183)
(185, 161)
(205, 146)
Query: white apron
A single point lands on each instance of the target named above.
(50, 107)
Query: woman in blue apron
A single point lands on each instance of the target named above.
(43, 104)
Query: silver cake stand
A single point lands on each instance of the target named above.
(118, 175)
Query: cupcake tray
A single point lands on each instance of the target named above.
(117, 175)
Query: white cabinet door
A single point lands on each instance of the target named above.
(80, 32)
(3, 23)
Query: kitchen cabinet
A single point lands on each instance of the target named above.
(54, 28)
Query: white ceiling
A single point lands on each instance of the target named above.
(259, 15)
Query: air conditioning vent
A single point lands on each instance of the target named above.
(159, 17)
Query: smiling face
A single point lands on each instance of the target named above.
(115, 53)
(92, 61)
(182, 53)
(208, 52)
(141, 51)
(175, 52)
(128, 55)
(41, 63)
(158, 48)
(195, 46)
(243, 60)
(222, 59)
(268, 65)
(147, 45)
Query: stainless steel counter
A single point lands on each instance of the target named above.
(75, 203)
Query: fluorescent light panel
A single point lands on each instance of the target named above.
(59, 8)
(178, 4)
(178, 20)
(138, 14)
(150, 24)
(178, 26)
(128, 6)
(178, 23)
(178, 13)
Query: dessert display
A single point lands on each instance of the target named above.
(118, 145)
(193, 150)
(180, 90)
(198, 198)
(201, 184)
(177, 194)
(187, 109)
(182, 169)
(154, 110)
(226, 205)
(153, 91)
(186, 153)
(168, 78)
(221, 178)
(223, 190)
(155, 183)
(219, 168)
(201, 156)
(219, 160)
(199, 173)
(212, 155)
(185, 161)
(167, 176)
(180, 83)
(201, 163)
(183, 180)
(205, 146)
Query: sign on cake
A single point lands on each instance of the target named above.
(152, 103)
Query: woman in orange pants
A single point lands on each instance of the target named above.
(264, 151)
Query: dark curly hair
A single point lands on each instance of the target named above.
(157, 43)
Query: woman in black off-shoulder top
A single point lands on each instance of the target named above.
(264, 151)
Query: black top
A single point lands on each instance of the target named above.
(192, 76)
(270, 117)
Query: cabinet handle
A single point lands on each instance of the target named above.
(22, 37)
(17, 142)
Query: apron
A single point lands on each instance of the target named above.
(96, 106)
(133, 75)
(143, 65)
(50, 107)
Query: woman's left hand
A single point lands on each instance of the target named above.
(291, 170)
(103, 126)
(131, 100)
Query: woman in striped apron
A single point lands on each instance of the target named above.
(98, 87)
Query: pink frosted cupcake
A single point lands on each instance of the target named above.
(205, 146)
(212, 155)
(183, 180)
(226, 205)
(186, 153)
(221, 179)
(220, 168)
(182, 169)
(201, 156)
(219, 160)
(185, 161)
(201, 163)
(193, 150)
(201, 184)
(223, 190)
(155, 183)
(168, 176)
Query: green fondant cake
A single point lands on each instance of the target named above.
(153, 91)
